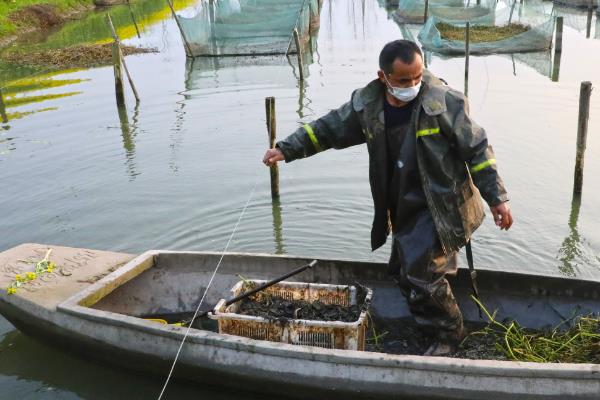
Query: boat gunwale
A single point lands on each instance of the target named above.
(512, 369)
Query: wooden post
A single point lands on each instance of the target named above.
(3, 108)
(426, 13)
(559, 34)
(133, 19)
(467, 50)
(271, 129)
(188, 48)
(117, 42)
(590, 14)
(582, 126)
(118, 71)
(299, 49)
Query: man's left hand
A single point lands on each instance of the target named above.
(502, 215)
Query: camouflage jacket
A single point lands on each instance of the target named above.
(456, 164)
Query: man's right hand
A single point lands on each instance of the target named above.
(272, 156)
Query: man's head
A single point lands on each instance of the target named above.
(400, 64)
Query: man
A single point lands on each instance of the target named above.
(429, 163)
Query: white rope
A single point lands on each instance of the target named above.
(205, 291)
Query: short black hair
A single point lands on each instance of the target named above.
(405, 50)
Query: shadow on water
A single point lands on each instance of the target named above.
(22, 372)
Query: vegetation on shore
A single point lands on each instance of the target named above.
(16, 15)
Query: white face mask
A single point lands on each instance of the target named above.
(403, 94)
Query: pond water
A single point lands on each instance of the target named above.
(176, 171)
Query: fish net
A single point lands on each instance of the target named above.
(413, 11)
(537, 35)
(578, 3)
(249, 27)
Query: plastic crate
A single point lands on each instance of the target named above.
(326, 334)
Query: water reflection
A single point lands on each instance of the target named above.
(277, 227)
(574, 250)
(3, 108)
(571, 246)
(128, 133)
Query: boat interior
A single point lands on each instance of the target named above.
(169, 286)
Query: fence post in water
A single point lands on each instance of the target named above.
(118, 71)
(467, 40)
(299, 50)
(117, 53)
(426, 13)
(589, 18)
(582, 126)
(271, 129)
(559, 34)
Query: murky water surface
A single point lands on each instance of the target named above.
(175, 172)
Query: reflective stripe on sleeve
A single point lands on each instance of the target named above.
(427, 132)
(483, 165)
(313, 138)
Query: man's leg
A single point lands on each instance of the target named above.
(419, 267)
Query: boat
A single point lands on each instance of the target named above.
(95, 302)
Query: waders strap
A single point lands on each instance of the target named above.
(473, 275)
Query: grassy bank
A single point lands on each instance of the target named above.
(24, 15)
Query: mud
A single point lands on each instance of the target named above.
(82, 56)
(404, 336)
(275, 307)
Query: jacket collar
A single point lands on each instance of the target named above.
(433, 94)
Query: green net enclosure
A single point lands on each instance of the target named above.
(248, 27)
(413, 11)
(578, 3)
(486, 39)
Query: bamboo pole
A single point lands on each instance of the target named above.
(512, 9)
(299, 50)
(426, 13)
(188, 48)
(467, 50)
(582, 127)
(272, 131)
(133, 19)
(119, 55)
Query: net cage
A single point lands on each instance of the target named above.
(249, 27)
(536, 35)
(586, 4)
(579, 19)
(413, 11)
